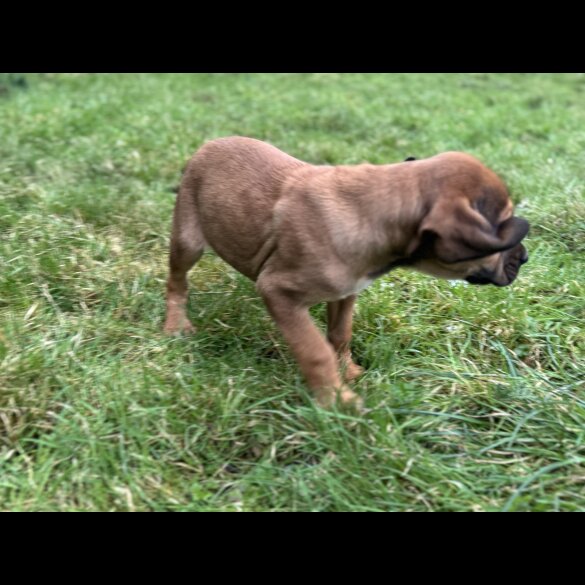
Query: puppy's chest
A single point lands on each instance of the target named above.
(356, 286)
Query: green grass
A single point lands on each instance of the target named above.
(475, 395)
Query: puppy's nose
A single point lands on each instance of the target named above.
(524, 258)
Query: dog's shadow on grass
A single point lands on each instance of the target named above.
(232, 323)
(231, 320)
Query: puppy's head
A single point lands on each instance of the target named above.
(469, 231)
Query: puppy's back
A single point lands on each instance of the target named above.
(235, 183)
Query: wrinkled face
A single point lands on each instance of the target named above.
(469, 232)
(503, 271)
(500, 269)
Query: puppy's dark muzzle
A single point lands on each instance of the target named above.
(512, 262)
(479, 279)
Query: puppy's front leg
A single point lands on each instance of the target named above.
(315, 356)
(339, 321)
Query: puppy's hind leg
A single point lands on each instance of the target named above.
(187, 244)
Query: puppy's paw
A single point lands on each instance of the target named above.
(352, 371)
(350, 400)
(176, 329)
(343, 397)
(349, 370)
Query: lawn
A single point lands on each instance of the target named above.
(475, 396)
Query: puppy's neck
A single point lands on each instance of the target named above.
(393, 205)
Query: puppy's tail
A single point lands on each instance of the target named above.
(187, 240)
(177, 187)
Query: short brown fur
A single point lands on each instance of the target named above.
(307, 234)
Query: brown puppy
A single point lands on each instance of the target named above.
(308, 233)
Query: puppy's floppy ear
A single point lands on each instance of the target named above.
(458, 232)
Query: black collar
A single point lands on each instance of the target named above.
(391, 266)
